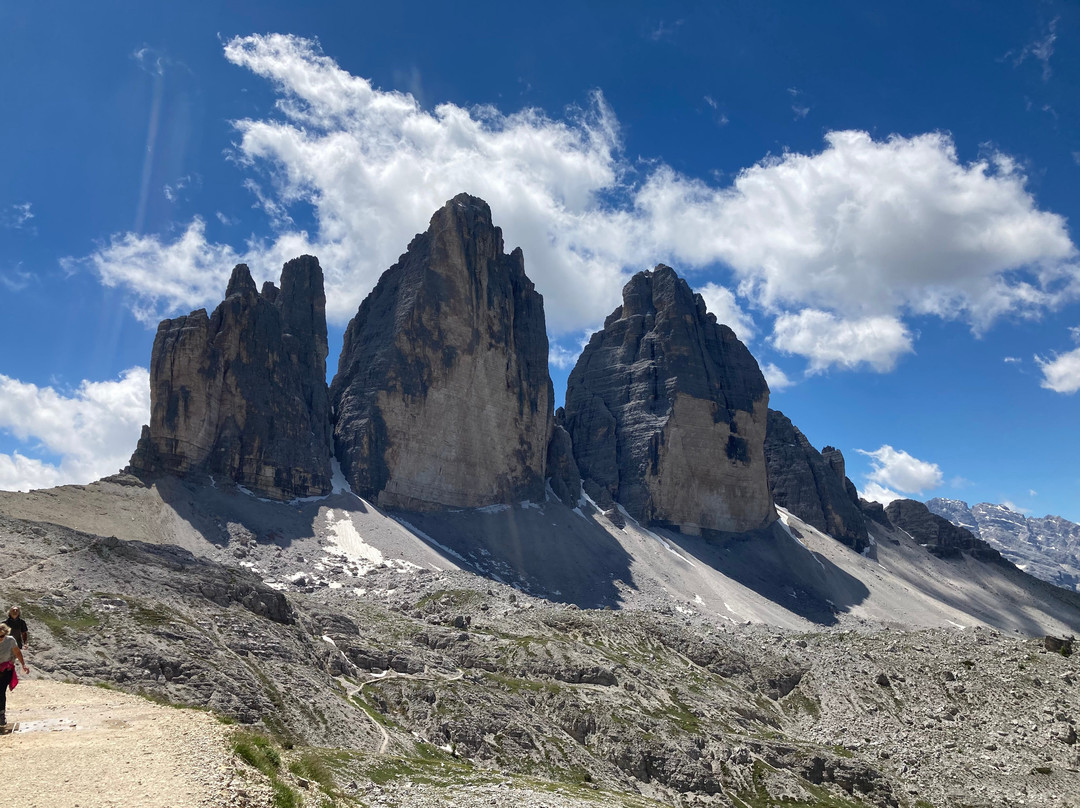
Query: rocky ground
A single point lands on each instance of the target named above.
(377, 682)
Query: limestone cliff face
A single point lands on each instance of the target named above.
(442, 395)
(940, 536)
(242, 393)
(667, 412)
(811, 484)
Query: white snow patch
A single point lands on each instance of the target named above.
(336, 584)
(526, 504)
(338, 483)
(328, 639)
(698, 600)
(958, 625)
(348, 542)
(497, 508)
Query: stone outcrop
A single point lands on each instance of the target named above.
(241, 394)
(811, 484)
(940, 536)
(563, 475)
(667, 412)
(442, 395)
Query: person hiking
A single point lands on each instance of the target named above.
(9, 652)
(18, 626)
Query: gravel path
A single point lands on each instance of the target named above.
(87, 747)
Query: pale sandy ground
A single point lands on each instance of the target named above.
(87, 747)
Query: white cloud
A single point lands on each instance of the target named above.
(879, 493)
(896, 469)
(166, 277)
(1062, 373)
(868, 228)
(17, 217)
(775, 377)
(93, 430)
(826, 340)
(1041, 50)
(1013, 360)
(561, 357)
(721, 301)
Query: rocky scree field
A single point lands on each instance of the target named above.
(435, 688)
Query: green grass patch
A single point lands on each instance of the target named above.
(450, 598)
(310, 766)
(797, 702)
(284, 795)
(258, 751)
(61, 624)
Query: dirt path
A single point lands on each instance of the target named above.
(86, 747)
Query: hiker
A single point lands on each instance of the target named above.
(18, 626)
(9, 652)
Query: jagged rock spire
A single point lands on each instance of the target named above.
(242, 393)
(667, 410)
(442, 396)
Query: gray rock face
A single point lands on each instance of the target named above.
(242, 393)
(812, 485)
(940, 536)
(667, 412)
(1046, 547)
(563, 474)
(442, 395)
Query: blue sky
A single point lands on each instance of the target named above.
(880, 200)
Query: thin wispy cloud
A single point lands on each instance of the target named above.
(17, 217)
(1040, 50)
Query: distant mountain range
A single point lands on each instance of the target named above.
(1046, 547)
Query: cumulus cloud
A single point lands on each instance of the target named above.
(167, 277)
(863, 229)
(775, 377)
(1062, 373)
(879, 493)
(896, 470)
(825, 340)
(93, 431)
(721, 301)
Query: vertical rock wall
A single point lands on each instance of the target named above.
(667, 412)
(442, 395)
(242, 393)
(812, 485)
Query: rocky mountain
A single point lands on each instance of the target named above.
(812, 485)
(241, 394)
(1048, 547)
(449, 630)
(940, 536)
(667, 412)
(442, 396)
(415, 666)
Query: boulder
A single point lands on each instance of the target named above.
(667, 412)
(241, 394)
(442, 396)
(812, 485)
